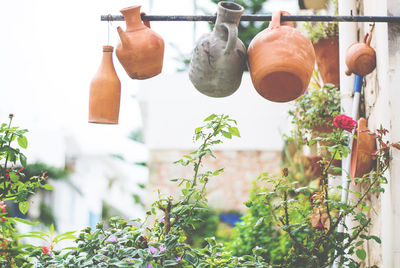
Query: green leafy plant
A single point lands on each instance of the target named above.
(257, 230)
(163, 243)
(315, 109)
(316, 31)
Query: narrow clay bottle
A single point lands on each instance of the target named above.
(105, 92)
(141, 50)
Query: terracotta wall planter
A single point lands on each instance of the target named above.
(105, 92)
(362, 149)
(281, 61)
(361, 57)
(313, 4)
(327, 54)
(219, 57)
(141, 50)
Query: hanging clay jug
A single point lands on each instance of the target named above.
(327, 55)
(141, 50)
(219, 58)
(281, 61)
(361, 57)
(362, 149)
(105, 92)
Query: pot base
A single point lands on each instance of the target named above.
(280, 87)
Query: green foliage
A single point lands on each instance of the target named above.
(257, 230)
(39, 168)
(316, 108)
(322, 30)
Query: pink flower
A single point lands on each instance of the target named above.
(46, 250)
(161, 220)
(162, 248)
(178, 258)
(112, 239)
(149, 266)
(218, 254)
(344, 122)
(152, 249)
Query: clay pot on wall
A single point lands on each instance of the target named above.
(219, 57)
(313, 4)
(281, 61)
(141, 50)
(361, 57)
(361, 154)
(105, 92)
(327, 54)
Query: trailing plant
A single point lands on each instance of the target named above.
(316, 31)
(257, 230)
(162, 244)
(14, 187)
(310, 216)
(315, 109)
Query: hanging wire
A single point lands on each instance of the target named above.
(351, 18)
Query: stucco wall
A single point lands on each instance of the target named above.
(227, 191)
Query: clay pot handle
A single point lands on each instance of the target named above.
(232, 37)
(276, 20)
(147, 23)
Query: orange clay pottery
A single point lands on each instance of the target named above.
(105, 92)
(219, 58)
(281, 61)
(141, 50)
(361, 57)
(362, 149)
(327, 54)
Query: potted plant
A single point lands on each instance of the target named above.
(313, 4)
(325, 39)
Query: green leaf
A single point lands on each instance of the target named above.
(22, 141)
(52, 229)
(211, 117)
(361, 254)
(22, 159)
(234, 131)
(23, 207)
(226, 134)
(24, 221)
(48, 187)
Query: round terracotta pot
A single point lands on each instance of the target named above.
(361, 57)
(141, 50)
(327, 54)
(105, 92)
(362, 149)
(281, 61)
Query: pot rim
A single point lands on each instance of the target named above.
(226, 5)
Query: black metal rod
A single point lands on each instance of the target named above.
(387, 19)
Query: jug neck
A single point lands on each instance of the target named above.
(229, 12)
(132, 18)
(107, 60)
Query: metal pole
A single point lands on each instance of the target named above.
(388, 19)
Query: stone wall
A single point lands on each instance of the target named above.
(227, 191)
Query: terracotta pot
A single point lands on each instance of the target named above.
(219, 57)
(141, 50)
(281, 61)
(325, 127)
(312, 165)
(327, 54)
(313, 4)
(362, 149)
(361, 57)
(105, 92)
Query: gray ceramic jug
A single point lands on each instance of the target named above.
(219, 58)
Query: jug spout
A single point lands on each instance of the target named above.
(122, 36)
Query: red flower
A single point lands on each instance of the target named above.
(45, 250)
(344, 122)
